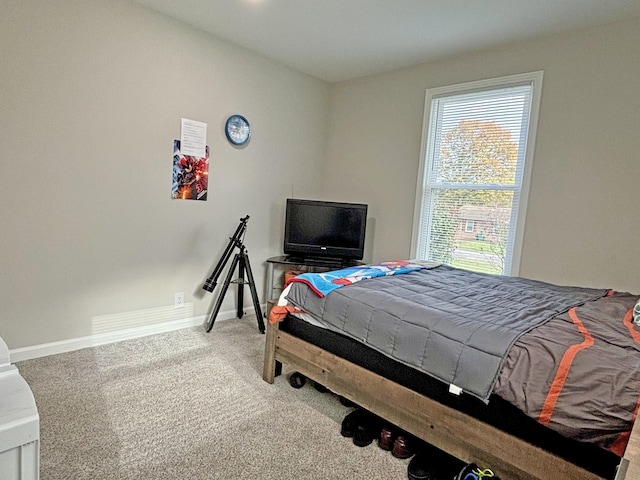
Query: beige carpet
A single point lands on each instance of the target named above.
(190, 405)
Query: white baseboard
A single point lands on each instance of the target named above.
(63, 346)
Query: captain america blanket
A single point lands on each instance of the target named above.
(326, 282)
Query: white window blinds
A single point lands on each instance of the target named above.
(473, 165)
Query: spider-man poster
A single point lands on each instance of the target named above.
(190, 175)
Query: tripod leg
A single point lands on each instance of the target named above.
(227, 281)
(240, 305)
(254, 293)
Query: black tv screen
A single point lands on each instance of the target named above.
(329, 230)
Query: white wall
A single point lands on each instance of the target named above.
(91, 96)
(583, 223)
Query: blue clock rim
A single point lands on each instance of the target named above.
(226, 129)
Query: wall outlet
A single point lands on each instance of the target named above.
(178, 300)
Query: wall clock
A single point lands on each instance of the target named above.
(238, 130)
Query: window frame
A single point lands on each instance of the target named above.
(469, 226)
(428, 129)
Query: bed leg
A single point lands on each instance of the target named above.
(271, 366)
(629, 467)
(621, 473)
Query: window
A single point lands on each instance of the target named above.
(475, 165)
(468, 226)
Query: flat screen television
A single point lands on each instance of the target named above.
(324, 230)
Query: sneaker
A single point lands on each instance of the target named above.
(471, 471)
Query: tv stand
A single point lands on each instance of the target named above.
(321, 262)
(311, 264)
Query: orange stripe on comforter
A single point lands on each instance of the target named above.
(563, 369)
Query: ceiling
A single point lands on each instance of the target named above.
(337, 40)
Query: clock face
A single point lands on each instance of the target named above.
(238, 130)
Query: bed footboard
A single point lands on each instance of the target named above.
(448, 429)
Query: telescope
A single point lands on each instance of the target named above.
(240, 260)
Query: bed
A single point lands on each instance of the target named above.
(525, 424)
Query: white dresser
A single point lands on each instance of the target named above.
(19, 424)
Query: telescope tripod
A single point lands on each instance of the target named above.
(240, 260)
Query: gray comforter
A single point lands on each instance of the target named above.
(454, 325)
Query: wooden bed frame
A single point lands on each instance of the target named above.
(448, 429)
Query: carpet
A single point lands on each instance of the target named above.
(190, 405)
